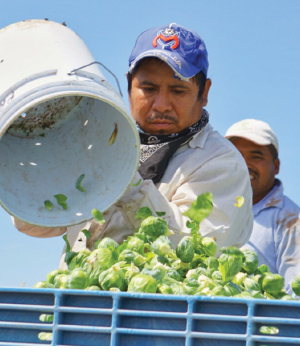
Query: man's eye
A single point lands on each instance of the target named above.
(178, 91)
(148, 89)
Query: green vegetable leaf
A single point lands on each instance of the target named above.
(200, 208)
(61, 200)
(78, 183)
(68, 247)
(143, 213)
(48, 204)
(87, 233)
(160, 213)
(98, 216)
(137, 184)
(272, 330)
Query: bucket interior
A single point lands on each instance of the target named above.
(45, 151)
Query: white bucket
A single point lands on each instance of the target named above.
(55, 125)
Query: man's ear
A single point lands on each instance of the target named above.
(277, 166)
(205, 92)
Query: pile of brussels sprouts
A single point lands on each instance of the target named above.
(146, 262)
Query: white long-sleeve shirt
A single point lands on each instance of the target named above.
(206, 163)
(276, 234)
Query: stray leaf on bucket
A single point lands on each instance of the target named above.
(78, 183)
(113, 137)
(61, 200)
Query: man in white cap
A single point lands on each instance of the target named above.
(276, 232)
(182, 156)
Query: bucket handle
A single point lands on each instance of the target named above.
(99, 63)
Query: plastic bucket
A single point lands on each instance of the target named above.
(57, 124)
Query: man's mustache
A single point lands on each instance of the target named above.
(155, 117)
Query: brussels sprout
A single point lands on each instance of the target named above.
(142, 283)
(79, 258)
(114, 289)
(131, 272)
(135, 244)
(212, 263)
(262, 269)
(230, 262)
(93, 288)
(189, 281)
(272, 283)
(257, 294)
(43, 284)
(106, 242)
(251, 261)
(219, 291)
(197, 262)
(51, 276)
(77, 279)
(232, 289)
(190, 289)
(157, 274)
(153, 227)
(174, 274)
(217, 277)
(113, 277)
(243, 294)
(179, 288)
(161, 246)
(209, 246)
(60, 281)
(205, 281)
(296, 285)
(251, 284)
(165, 289)
(131, 256)
(185, 250)
(239, 278)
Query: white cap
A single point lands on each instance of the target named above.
(256, 131)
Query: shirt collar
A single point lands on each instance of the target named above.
(199, 139)
(274, 199)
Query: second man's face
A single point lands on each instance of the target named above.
(162, 104)
(261, 165)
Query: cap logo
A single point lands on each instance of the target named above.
(167, 37)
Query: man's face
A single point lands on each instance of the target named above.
(261, 165)
(162, 104)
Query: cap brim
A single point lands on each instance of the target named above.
(183, 69)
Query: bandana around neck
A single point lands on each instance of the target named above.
(157, 150)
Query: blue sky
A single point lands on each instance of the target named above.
(254, 55)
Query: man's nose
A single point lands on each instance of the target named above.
(162, 103)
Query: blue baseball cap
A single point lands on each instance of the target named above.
(182, 49)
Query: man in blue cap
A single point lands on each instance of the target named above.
(182, 156)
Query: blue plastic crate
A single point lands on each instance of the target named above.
(127, 319)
